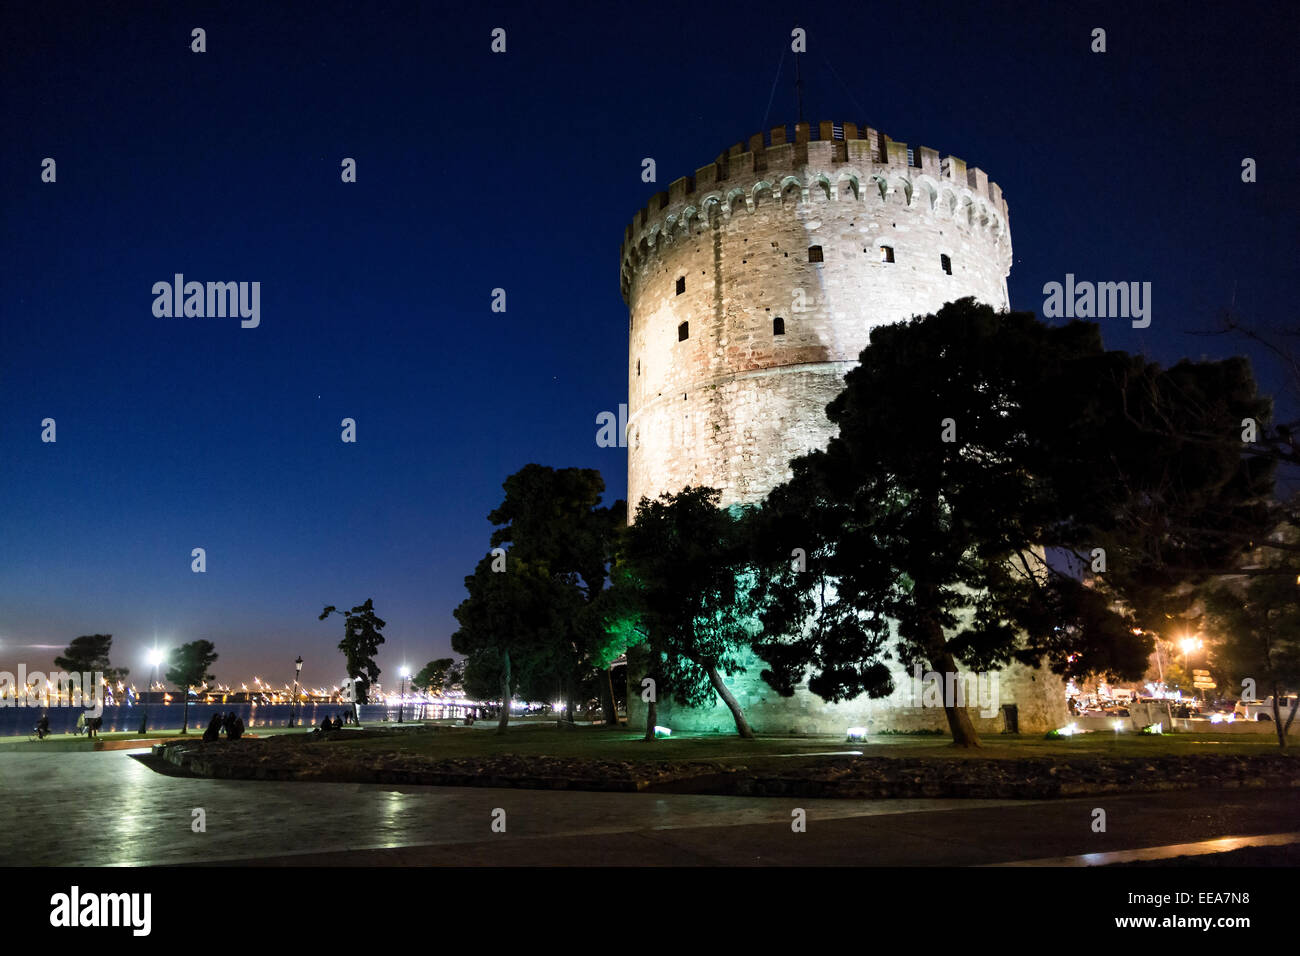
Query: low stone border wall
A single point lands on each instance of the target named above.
(845, 777)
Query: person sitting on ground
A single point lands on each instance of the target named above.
(214, 728)
(338, 722)
(235, 731)
(326, 725)
(43, 727)
(228, 725)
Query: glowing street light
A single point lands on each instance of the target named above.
(293, 701)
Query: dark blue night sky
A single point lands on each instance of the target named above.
(478, 171)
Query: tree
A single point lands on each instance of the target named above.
(620, 608)
(89, 653)
(508, 627)
(1258, 622)
(686, 559)
(433, 675)
(454, 679)
(188, 667)
(361, 640)
(553, 517)
(975, 450)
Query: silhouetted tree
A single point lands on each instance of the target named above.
(971, 445)
(90, 653)
(188, 667)
(1257, 620)
(508, 627)
(360, 644)
(432, 676)
(553, 518)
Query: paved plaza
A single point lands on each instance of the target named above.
(101, 809)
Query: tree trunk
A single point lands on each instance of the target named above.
(568, 697)
(608, 700)
(651, 715)
(959, 722)
(1277, 720)
(1294, 707)
(505, 692)
(742, 727)
(185, 713)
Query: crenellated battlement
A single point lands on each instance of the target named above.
(831, 161)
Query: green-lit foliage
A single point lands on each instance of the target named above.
(686, 561)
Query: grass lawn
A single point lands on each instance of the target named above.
(622, 745)
(60, 741)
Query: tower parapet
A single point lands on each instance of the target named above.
(833, 158)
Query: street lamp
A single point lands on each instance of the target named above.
(406, 672)
(293, 701)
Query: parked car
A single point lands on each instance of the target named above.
(1262, 709)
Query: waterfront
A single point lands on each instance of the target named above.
(18, 720)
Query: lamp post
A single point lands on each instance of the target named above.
(293, 700)
(401, 693)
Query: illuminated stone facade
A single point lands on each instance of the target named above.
(752, 287)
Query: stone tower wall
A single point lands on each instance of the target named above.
(731, 404)
(727, 252)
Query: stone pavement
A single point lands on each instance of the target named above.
(96, 809)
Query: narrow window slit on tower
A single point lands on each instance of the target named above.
(946, 263)
(815, 254)
(683, 332)
(681, 284)
(886, 253)
(778, 326)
